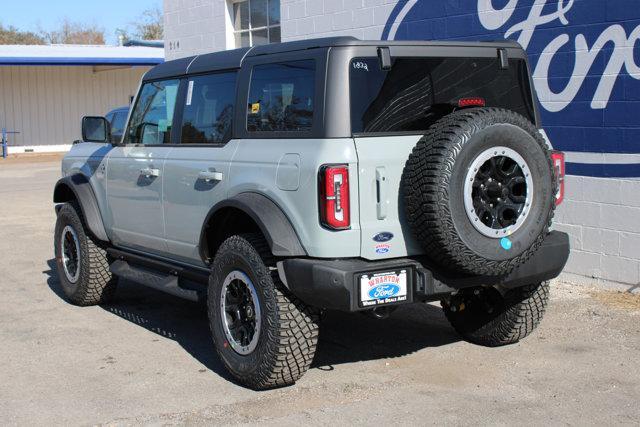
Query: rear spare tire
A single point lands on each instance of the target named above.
(479, 191)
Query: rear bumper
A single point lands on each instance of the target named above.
(333, 284)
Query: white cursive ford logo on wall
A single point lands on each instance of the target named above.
(585, 61)
(585, 55)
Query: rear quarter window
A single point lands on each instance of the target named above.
(281, 97)
(416, 92)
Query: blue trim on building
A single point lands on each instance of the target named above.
(600, 170)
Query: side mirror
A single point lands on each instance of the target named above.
(96, 129)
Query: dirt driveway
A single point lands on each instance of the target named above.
(147, 357)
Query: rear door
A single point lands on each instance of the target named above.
(196, 171)
(135, 170)
(392, 109)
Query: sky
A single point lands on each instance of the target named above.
(32, 15)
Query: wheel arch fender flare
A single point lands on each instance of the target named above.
(270, 219)
(78, 187)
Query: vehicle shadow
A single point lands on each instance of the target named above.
(344, 337)
(169, 317)
(354, 337)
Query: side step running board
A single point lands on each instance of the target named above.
(163, 282)
(159, 275)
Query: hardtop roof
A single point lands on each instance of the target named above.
(232, 59)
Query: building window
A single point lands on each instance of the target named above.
(256, 22)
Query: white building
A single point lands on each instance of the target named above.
(584, 59)
(45, 90)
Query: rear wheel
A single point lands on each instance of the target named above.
(82, 264)
(488, 317)
(264, 336)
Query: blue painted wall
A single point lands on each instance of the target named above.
(584, 54)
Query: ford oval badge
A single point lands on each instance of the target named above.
(384, 236)
(385, 290)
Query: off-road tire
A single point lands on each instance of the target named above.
(514, 317)
(433, 183)
(289, 328)
(95, 284)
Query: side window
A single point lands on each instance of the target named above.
(152, 115)
(281, 97)
(208, 109)
(117, 124)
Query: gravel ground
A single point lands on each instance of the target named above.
(147, 358)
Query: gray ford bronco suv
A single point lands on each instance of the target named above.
(279, 181)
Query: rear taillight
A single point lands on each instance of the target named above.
(334, 197)
(557, 157)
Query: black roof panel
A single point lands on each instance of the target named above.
(168, 69)
(268, 49)
(230, 59)
(218, 60)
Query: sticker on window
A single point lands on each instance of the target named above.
(189, 92)
(255, 108)
(361, 66)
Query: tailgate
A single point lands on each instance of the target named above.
(381, 161)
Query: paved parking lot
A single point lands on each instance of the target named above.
(147, 358)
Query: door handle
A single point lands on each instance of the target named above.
(381, 192)
(208, 176)
(150, 172)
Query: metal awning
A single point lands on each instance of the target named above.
(80, 55)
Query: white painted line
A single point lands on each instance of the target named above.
(19, 149)
(394, 27)
(601, 158)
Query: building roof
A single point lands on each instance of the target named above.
(79, 55)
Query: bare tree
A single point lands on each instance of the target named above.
(11, 35)
(75, 33)
(148, 26)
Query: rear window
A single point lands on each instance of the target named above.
(415, 92)
(281, 97)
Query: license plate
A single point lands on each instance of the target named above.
(383, 288)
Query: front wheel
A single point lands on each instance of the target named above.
(264, 336)
(488, 317)
(82, 264)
